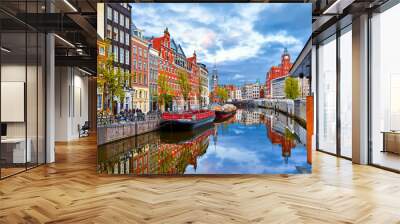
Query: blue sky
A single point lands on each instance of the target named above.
(244, 40)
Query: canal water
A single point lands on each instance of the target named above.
(253, 141)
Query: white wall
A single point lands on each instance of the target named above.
(33, 126)
(100, 20)
(12, 73)
(71, 103)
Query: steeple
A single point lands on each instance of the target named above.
(215, 65)
(214, 77)
(285, 57)
(285, 51)
(166, 32)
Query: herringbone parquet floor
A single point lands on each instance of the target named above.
(70, 191)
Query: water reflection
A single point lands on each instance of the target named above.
(252, 141)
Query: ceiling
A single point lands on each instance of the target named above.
(72, 20)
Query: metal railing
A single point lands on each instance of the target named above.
(103, 119)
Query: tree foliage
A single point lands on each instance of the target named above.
(201, 91)
(184, 84)
(164, 90)
(222, 94)
(110, 80)
(292, 89)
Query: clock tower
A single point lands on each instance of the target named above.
(285, 62)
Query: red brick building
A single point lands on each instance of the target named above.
(168, 65)
(140, 70)
(194, 78)
(278, 72)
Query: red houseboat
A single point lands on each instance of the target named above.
(187, 119)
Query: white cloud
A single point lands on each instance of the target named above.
(238, 76)
(207, 30)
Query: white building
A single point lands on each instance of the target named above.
(232, 94)
(256, 91)
(238, 94)
(278, 87)
(204, 83)
(304, 84)
(250, 91)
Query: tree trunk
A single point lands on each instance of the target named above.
(104, 98)
(111, 103)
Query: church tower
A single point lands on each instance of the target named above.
(285, 62)
(214, 78)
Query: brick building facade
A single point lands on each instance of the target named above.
(173, 58)
(140, 70)
(279, 71)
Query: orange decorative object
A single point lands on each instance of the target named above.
(310, 126)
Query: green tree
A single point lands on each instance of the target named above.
(201, 91)
(222, 94)
(121, 81)
(292, 89)
(164, 91)
(110, 80)
(184, 84)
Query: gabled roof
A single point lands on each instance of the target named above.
(173, 45)
(180, 50)
(133, 26)
(177, 48)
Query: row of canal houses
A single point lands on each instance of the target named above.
(145, 58)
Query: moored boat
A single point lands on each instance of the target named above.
(187, 120)
(224, 112)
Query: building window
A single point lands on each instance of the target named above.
(385, 88)
(121, 19)
(101, 51)
(327, 95)
(346, 93)
(127, 39)
(109, 13)
(134, 49)
(134, 64)
(127, 22)
(110, 49)
(121, 55)
(115, 53)
(115, 34)
(140, 51)
(109, 31)
(116, 14)
(127, 57)
(121, 36)
(144, 66)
